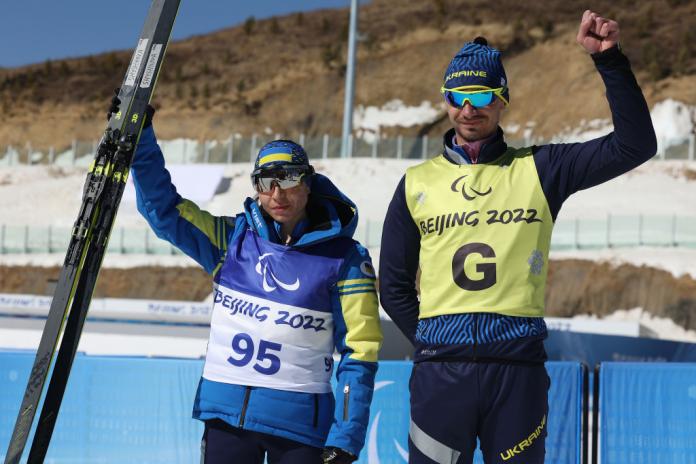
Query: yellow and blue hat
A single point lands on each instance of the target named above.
(281, 157)
(281, 153)
(477, 64)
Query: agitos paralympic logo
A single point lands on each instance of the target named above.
(469, 193)
(270, 281)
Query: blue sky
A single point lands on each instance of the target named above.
(32, 31)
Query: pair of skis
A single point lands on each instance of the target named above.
(102, 194)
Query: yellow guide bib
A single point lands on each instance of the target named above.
(485, 235)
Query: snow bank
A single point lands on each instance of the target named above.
(663, 328)
(368, 120)
(674, 123)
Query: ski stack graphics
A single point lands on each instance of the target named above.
(102, 194)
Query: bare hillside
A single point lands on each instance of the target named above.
(286, 73)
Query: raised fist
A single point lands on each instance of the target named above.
(596, 33)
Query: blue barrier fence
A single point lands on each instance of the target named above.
(592, 349)
(115, 410)
(647, 413)
(135, 410)
(138, 410)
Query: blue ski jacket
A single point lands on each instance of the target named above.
(279, 311)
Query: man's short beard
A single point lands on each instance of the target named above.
(476, 137)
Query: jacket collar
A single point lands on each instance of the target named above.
(489, 152)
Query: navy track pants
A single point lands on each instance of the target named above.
(224, 444)
(453, 403)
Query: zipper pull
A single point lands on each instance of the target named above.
(346, 401)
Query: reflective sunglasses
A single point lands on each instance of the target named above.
(285, 178)
(476, 98)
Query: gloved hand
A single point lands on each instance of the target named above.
(116, 103)
(333, 455)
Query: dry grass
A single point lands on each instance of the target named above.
(286, 73)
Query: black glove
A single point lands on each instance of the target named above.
(333, 455)
(116, 103)
(149, 114)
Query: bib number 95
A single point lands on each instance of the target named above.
(267, 362)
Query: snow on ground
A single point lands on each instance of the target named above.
(673, 121)
(111, 260)
(677, 261)
(99, 343)
(586, 130)
(367, 120)
(664, 328)
(40, 195)
(654, 188)
(43, 195)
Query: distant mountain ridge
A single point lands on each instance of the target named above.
(285, 74)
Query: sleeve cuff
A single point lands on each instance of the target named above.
(609, 56)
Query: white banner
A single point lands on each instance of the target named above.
(114, 308)
(195, 182)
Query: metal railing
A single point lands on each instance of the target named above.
(239, 149)
(610, 232)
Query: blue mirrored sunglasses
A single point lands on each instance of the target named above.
(477, 98)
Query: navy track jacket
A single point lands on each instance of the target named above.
(563, 169)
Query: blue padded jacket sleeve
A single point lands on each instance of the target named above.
(358, 337)
(197, 233)
(566, 168)
(398, 264)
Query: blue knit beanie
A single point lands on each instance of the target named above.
(477, 64)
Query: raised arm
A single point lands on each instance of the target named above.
(566, 168)
(181, 222)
